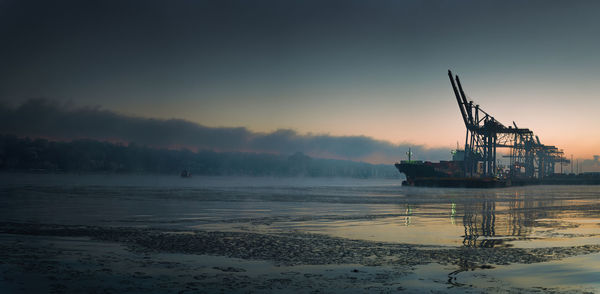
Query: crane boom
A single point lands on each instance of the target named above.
(459, 101)
(469, 111)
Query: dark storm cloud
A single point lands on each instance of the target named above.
(45, 118)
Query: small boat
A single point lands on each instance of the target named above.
(186, 173)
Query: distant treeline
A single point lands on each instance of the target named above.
(41, 155)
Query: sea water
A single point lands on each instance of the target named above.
(364, 209)
(377, 210)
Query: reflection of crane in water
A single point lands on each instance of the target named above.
(515, 225)
(485, 227)
(524, 213)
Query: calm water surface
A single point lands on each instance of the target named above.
(380, 210)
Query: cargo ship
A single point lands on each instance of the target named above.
(477, 166)
(445, 174)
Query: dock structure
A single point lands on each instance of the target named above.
(529, 158)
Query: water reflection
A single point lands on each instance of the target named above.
(453, 214)
(520, 216)
(480, 228)
(482, 219)
(408, 213)
(490, 223)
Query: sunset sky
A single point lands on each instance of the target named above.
(342, 68)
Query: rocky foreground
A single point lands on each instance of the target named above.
(299, 248)
(126, 259)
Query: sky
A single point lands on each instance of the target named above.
(375, 70)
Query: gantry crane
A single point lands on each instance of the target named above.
(484, 134)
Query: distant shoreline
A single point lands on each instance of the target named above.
(176, 175)
(90, 156)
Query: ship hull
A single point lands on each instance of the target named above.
(422, 175)
(459, 182)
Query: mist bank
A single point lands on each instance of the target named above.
(41, 155)
(59, 121)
